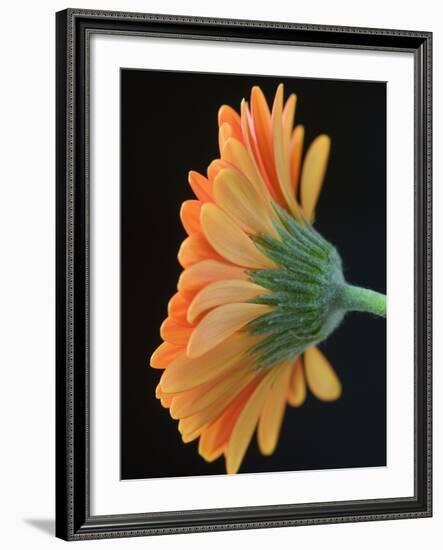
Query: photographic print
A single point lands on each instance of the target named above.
(244, 269)
(253, 274)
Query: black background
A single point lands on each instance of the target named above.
(168, 127)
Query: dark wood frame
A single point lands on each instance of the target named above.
(73, 518)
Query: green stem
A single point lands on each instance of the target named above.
(355, 298)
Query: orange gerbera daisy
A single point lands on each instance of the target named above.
(260, 288)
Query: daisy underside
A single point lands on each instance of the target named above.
(260, 287)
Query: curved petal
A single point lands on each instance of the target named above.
(288, 120)
(281, 154)
(215, 167)
(215, 437)
(198, 275)
(227, 114)
(196, 400)
(262, 126)
(194, 249)
(220, 323)
(230, 241)
(313, 173)
(201, 186)
(224, 133)
(223, 292)
(213, 411)
(238, 197)
(178, 308)
(296, 150)
(297, 385)
(236, 154)
(271, 417)
(186, 373)
(165, 354)
(320, 376)
(175, 333)
(246, 424)
(190, 216)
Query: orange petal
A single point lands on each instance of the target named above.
(215, 437)
(178, 308)
(223, 292)
(194, 249)
(186, 373)
(296, 154)
(288, 119)
(190, 216)
(220, 323)
(245, 425)
(271, 417)
(237, 196)
(165, 400)
(226, 114)
(224, 133)
(297, 385)
(281, 154)
(201, 186)
(230, 241)
(210, 413)
(313, 173)
(198, 275)
(320, 376)
(235, 154)
(207, 395)
(215, 167)
(164, 355)
(175, 333)
(253, 150)
(262, 127)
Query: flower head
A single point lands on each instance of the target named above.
(259, 290)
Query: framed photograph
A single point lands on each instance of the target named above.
(243, 274)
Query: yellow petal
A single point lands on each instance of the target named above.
(220, 323)
(313, 173)
(229, 240)
(245, 425)
(296, 154)
(185, 373)
(281, 154)
(223, 292)
(320, 376)
(238, 197)
(207, 271)
(297, 385)
(271, 417)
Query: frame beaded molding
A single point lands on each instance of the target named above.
(73, 517)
